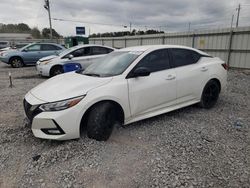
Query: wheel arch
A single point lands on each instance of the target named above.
(15, 56)
(120, 110)
(54, 66)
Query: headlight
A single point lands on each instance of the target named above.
(46, 62)
(61, 105)
(3, 54)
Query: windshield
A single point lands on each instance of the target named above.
(112, 64)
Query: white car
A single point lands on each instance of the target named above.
(82, 54)
(128, 85)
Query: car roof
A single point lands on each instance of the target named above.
(155, 47)
(90, 45)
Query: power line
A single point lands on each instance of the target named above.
(94, 23)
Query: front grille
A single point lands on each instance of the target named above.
(31, 111)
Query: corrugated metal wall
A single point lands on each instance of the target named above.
(231, 46)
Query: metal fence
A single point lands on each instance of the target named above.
(233, 46)
(12, 41)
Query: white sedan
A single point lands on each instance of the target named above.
(80, 56)
(128, 85)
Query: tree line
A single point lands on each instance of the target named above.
(24, 28)
(125, 33)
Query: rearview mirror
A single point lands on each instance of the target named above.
(140, 71)
(71, 56)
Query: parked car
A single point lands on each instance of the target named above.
(81, 54)
(128, 85)
(30, 54)
(5, 49)
(4, 44)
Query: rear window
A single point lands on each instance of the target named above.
(182, 57)
(100, 50)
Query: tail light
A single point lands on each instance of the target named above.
(225, 66)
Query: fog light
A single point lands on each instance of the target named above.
(53, 131)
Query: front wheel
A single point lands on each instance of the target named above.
(16, 62)
(101, 121)
(210, 94)
(56, 71)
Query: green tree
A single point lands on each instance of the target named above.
(46, 33)
(35, 32)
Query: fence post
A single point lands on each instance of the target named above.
(141, 41)
(125, 42)
(229, 47)
(112, 42)
(193, 39)
(163, 39)
(102, 42)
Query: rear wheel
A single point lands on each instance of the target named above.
(56, 70)
(210, 94)
(101, 121)
(16, 62)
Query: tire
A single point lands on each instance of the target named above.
(16, 62)
(56, 71)
(101, 121)
(210, 94)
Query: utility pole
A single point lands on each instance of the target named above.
(47, 7)
(130, 26)
(232, 21)
(238, 15)
(189, 26)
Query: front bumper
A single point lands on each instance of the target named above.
(4, 59)
(42, 69)
(57, 125)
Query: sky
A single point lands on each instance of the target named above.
(167, 15)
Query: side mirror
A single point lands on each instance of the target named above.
(71, 56)
(25, 50)
(140, 72)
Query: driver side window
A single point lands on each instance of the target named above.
(81, 52)
(155, 61)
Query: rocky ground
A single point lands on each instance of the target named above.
(191, 147)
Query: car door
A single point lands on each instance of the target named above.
(190, 73)
(81, 56)
(32, 53)
(156, 91)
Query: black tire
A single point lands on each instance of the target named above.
(56, 71)
(16, 62)
(210, 94)
(101, 121)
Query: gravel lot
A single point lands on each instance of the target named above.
(191, 147)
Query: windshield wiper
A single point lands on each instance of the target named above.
(92, 74)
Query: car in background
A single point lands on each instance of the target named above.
(4, 44)
(5, 49)
(126, 86)
(77, 57)
(20, 45)
(30, 54)
(16, 46)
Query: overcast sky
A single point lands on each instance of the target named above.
(169, 15)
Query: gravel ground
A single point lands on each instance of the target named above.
(191, 147)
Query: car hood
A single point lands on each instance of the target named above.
(67, 86)
(47, 58)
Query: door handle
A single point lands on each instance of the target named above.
(203, 69)
(170, 77)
